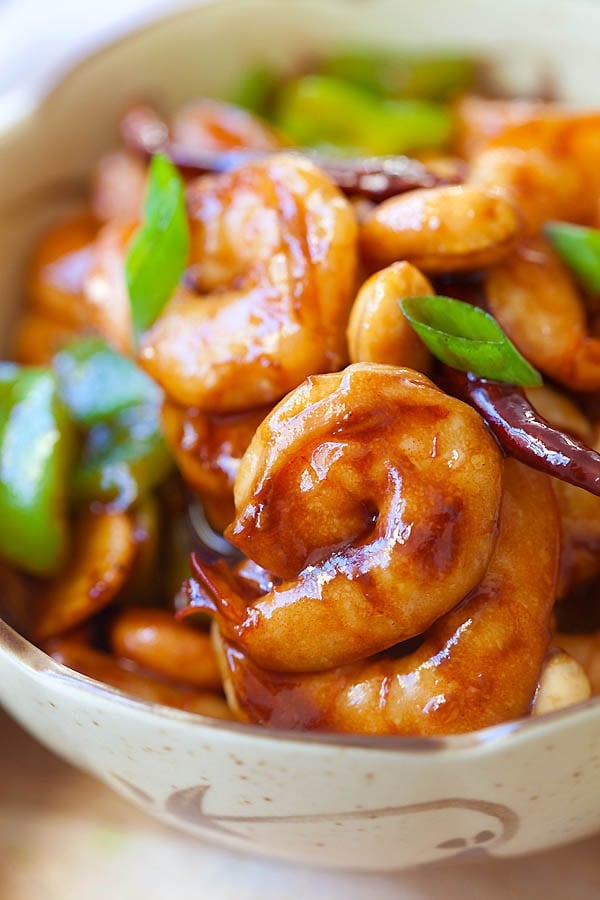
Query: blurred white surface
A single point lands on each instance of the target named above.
(40, 38)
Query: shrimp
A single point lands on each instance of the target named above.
(445, 229)
(478, 120)
(377, 330)
(375, 497)
(208, 449)
(477, 666)
(534, 298)
(58, 269)
(544, 160)
(541, 185)
(564, 138)
(275, 246)
(105, 288)
(77, 283)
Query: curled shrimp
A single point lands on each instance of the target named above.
(543, 159)
(208, 449)
(535, 300)
(478, 120)
(374, 496)
(275, 248)
(77, 283)
(478, 665)
(541, 185)
(445, 229)
(377, 330)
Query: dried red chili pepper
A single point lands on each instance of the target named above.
(376, 178)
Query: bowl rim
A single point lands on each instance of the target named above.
(38, 662)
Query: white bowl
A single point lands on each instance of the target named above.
(370, 803)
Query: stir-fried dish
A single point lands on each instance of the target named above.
(301, 417)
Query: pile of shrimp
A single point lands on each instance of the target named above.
(388, 569)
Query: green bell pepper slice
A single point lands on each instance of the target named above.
(579, 247)
(318, 110)
(255, 90)
(36, 441)
(425, 76)
(96, 383)
(123, 459)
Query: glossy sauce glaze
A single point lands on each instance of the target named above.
(479, 664)
(374, 497)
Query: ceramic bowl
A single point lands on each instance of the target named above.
(342, 801)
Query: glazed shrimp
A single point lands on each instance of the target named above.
(541, 185)
(275, 248)
(375, 497)
(377, 330)
(208, 449)
(544, 160)
(477, 666)
(446, 229)
(58, 269)
(105, 288)
(478, 120)
(535, 300)
(77, 284)
(568, 147)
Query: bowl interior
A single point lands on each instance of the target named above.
(46, 158)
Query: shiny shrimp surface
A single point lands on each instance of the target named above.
(535, 300)
(208, 449)
(478, 665)
(374, 497)
(274, 246)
